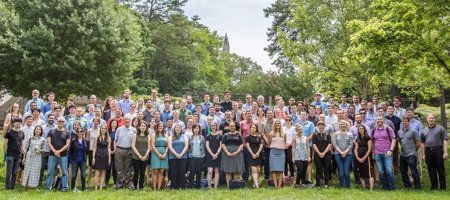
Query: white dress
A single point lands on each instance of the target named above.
(33, 161)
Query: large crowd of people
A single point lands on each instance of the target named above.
(162, 143)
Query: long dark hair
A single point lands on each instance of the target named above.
(157, 133)
(199, 129)
(365, 131)
(174, 134)
(139, 128)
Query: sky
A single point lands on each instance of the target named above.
(242, 20)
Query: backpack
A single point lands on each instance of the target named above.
(388, 130)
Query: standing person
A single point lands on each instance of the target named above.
(301, 155)
(159, 161)
(266, 128)
(227, 104)
(91, 135)
(78, 152)
(277, 143)
(232, 163)
(343, 143)
(308, 130)
(196, 154)
(112, 169)
(254, 145)
(123, 154)
(289, 130)
(141, 151)
(409, 142)
(206, 104)
(434, 141)
(125, 103)
(12, 146)
(178, 146)
(363, 150)
(213, 157)
(398, 110)
(383, 138)
(101, 157)
(322, 154)
(34, 99)
(58, 141)
(33, 159)
(8, 122)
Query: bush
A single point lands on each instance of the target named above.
(424, 109)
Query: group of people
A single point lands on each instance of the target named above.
(219, 142)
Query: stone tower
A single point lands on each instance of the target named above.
(226, 44)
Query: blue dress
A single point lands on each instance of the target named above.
(161, 146)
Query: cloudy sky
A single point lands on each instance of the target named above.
(242, 20)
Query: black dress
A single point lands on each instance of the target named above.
(214, 145)
(254, 143)
(101, 155)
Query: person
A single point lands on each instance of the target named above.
(12, 146)
(178, 147)
(206, 104)
(363, 150)
(322, 154)
(232, 163)
(254, 145)
(318, 102)
(289, 130)
(435, 142)
(398, 110)
(141, 151)
(383, 138)
(159, 161)
(227, 104)
(91, 135)
(78, 152)
(58, 141)
(196, 154)
(125, 103)
(343, 143)
(101, 157)
(301, 155)
(308, 130)
(213, 156)
(266, 128)
(112, 170)
(344, 105)
(123, 154)
(277, 143)
(8, 122)
(409, 143)
(32, 158)
(35, 99)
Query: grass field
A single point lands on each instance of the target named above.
(222, 193)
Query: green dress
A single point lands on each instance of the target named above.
(156, 162)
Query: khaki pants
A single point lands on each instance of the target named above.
(124, 167)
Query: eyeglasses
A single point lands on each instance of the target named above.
(61, 121)
(362, 113)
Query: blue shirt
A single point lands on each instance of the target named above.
(414, 124)
(166, 115)
(205, 107)
(80, 151)
(178, 145)
(344, 106)
(321, 104)
(40, 104)
(370, 117)
(46, 108)
(308, 128)
(124, 105)
(191, 107)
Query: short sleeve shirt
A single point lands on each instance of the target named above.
(14, 143)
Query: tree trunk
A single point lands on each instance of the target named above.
(442, 105)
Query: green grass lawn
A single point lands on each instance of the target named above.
(223, 193)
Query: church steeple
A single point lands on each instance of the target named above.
(226, 44)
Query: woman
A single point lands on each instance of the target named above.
(140, 144)
(133, 111)
(108, 103)
(319, 110)
(213, 157)
(91, 135)
(277, 144)
(15, 113)
(159, 161)
(178, 146)
(260, 116)
(254, 144)
(140, 104)
(102, 157)
(301, 155)
(363, 148)
(76, 126)
(322, 154)
(112, 169)
(343, 143)
(78, 151)
(196, 154)
(33, 159)
(289, 130)
(151, 132)
(232, 158)
(135, 122)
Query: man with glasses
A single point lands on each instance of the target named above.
(46, 153)
(93, 101)
(35, 98)
(58, 142)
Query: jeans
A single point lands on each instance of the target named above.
(266, 163)
(75, 166)
(246, 154)
(385, 169)
(63, 163)
(12, 164)
(343, 165)
(411, 163)
(436, 168)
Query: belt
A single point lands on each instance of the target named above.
(433, 148)
(124, 148)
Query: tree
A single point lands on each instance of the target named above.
(68, 46)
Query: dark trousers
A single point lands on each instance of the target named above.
(12, 165)
(75, 166)
(44, 166)
(139, 173)
(323, 168)
(111, 171)
(355, 171)
(246, 154)
(289, 165)
(301, 171)
(195, 167)
(411, 163)
(177, 173)
(266, 163)
(435, 164)
(396, 155)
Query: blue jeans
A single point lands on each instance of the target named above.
(12, 164)
(385, 169)
(52, 162)
(75, 166)
(343, 165)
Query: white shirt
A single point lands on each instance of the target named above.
(289, 134)
(28, 133)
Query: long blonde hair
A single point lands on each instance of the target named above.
(275, 131)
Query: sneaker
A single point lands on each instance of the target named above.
(326, 186)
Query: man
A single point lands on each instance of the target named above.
(355, 100)
(398, 111)
(351, 112)
(97, 113)
(344, 105)
(58, 141)
(69, 103)
(48, 106)
(72, 113)
(383, 138)
(155, 101)
(166, 113)
(184, 111)
(266, 128)
(28, 131)
(261, 104)
(312, 117)
(410, 142)
(93, 101)
(318, 102)
(148, 112)
(12, 146)
(380, 112)
(375, 100)
(34, 98)
(236, 112)
(176, 120)
(78, 117)
(331, 118)
(413, 122)
(396, 122)
(435, 142)
(201, 118)
(37, 120)
(126, 102)
(123, 154)
(166, 98)
(248, 102)
(111, 113)
(226, 104)
(189, 105)
(91, 113)
(223, 128)
(340, 116)
(371, 114)
(218, 115)
(33, 105)
(53, 105)
(46, 153)
(206, 104)
(308, 129)
(291, 103)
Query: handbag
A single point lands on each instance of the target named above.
(236, 184)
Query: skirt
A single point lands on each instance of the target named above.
(232, 164)
(213, 163)
(101, 159)
(254, 162)
(276, 160)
